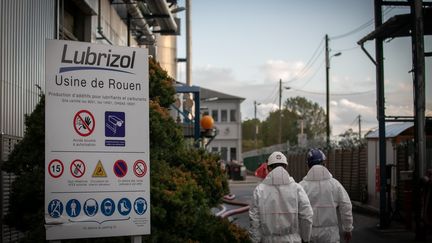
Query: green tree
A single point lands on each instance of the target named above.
(294, 110)
(249, 141)
(185, 182)
(350, 139)
(312, 113)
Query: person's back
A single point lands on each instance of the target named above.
(280, 210)
(327, 196)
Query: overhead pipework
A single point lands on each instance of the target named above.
(161, 13)
(139, 25)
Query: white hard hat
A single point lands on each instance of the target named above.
(277, 158)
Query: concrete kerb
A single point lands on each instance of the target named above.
(250, 179)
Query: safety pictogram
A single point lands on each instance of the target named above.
(140, 206)
(84, 123)
(55, 208)
(73, 208)
(140, 168)
(99, 170)
(91, 207)
(124, 206)
(107, 207)
(120, 168)
(77, 168)
(55, 168)
(115, 124)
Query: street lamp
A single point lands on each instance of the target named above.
(280, 109)
(327, 60)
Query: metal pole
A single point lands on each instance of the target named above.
(188, 44)
(256, 124)
(327, 62)
(136, 239)
(128, 29)
(379, 57)
(419, 112)
(280, 111)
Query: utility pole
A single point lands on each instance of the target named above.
(327, 62)
(359, 126)
(256, 123)
(280, 111)
(255, 109)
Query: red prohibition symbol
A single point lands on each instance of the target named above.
(84, 123)
(120, 168)
(77, 168)
(140, 168)
(55, 168)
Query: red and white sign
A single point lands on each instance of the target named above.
(77, 168)
(55, 168)
(88, 147)
(140, 168)
(84, 123)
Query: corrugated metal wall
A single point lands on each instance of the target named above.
(24, 26)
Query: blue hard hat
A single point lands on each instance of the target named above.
(315, 156)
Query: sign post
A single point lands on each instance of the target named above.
(96, 141)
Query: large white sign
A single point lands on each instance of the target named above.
(97, 181)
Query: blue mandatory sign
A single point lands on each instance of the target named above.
(91, 207)
(73, 208)
(124, 206)
(140, 206)
(55, 208)
(107, 207)
(115, 124)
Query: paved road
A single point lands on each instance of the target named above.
(365, 229)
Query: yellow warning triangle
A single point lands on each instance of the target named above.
(99, 171)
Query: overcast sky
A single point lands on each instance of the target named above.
(244, 47)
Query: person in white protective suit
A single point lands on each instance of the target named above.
(280, 210)
(327, 197)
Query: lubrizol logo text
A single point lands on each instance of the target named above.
(93, 60)
(96, 60)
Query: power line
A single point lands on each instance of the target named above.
(361, 27)
(335, 94)
(347, 49)
(309, 63)
(313, 75)
(271, 95)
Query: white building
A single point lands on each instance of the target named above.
(226, 113)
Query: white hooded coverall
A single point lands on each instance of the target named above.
(326, 196)
(280, 210)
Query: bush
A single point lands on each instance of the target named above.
(185, 182)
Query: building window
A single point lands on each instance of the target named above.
(214, 150)
(74, 22)
(233, 153)
(224, 153)
(233, 115)
(205, 113)
(215, 116)
(224, 115)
